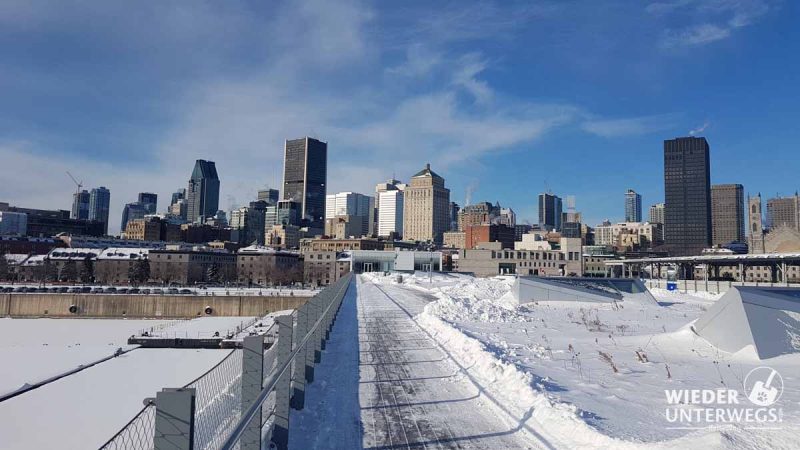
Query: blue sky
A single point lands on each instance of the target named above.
(504, 99)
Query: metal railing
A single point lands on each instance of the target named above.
(244, 400)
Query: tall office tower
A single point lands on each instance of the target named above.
(550, 209)
(358, 206)
(80, 205)
(657, 213)
(270, 196)
(482, 213)
(687, 199)
(755, 216)
(130, 212)
(727, 213)
(202, 195)
(426, 207)
(99, 202)
(784, 212)
(633, 206)
(149, 201)
(255, 223)
(454, 210)
(390, 185)
(305, 176)
(180, 194)
(390, 214)
(238, 218)
(286, 212)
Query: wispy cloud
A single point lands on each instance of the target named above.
(715, 20)
(700, 129)
(612, 128)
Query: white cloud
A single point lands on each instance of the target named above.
(716, 19)
(611, 128)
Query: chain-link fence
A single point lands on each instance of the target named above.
(218, 393)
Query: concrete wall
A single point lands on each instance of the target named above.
(141, 306)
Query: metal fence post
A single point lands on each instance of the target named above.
(174, 425)
(280, 430)
(252, 381)
(313, 349)
(299, 368)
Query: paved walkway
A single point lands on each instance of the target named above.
(410, 393)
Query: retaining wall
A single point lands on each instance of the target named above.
(141, 306)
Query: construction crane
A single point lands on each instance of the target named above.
(77, 183)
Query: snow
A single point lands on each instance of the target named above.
(85, 409)
(547, 356)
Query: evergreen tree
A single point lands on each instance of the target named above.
(4, 270)
(87, 270)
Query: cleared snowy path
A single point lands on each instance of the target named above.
(411, 394)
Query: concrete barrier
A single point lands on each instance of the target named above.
(141, 306)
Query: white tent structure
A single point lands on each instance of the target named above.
(768, 319)
(572, 289)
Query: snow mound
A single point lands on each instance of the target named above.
(476, 300)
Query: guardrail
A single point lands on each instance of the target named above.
(713, 286)
(243, 402)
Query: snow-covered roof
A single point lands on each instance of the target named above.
(72, 253)
(263, 250)
(16, 258)
(717, 257)
(34, 260)
(123, 253)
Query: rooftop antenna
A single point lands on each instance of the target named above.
(77, 183)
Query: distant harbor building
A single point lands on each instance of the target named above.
(550, 209)
(305, 178)
(202, 195)
(727, 213)
(99, 205)
(633, 206)
(390, 213)
(80, 205)
(426, 208)
(687, 195)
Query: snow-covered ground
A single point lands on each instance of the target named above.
(576, 364)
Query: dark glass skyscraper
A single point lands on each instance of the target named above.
(149, 201)
(80, 205)
(687, 195)
(550, 209)
(633, 206)
(99, 202)
(305, 176)
(202, 195)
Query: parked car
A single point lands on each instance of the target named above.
(186, 291)
(134, 291)
(53, 289)
(63, 290)
(145, 291)
(20, 289)
(97, 290)
(122, 291)
(158, 291)
(172, 291)
(111, 290)
(75, 290)
(86, 290)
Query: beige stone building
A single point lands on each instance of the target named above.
(454, 239)
(727, 213)
(263, 265)
(322, 268)
(426, 211)
(283, 236)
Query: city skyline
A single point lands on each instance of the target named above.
(479, 104)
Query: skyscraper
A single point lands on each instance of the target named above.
(633, 206)
(180, 194)
(130, 212)
(390, 214)
(657, 213)
(550, 209)
(390, 185)
(727, 213)
(203, 192)
(270, 196)
(149, 201)
(99, 202)
(426, 207)
(687, 195)
(784, 212)
(358, 206)
(80, 205)
(305, 176)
